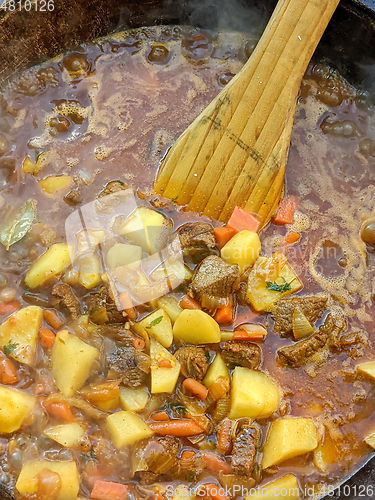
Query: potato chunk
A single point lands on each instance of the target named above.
(163, 379)
(125, 428)
(27, 483)
(370, 440)
(217, 369)
(55, 183)
(287, 438)
(66, 434)
(271, 279)
(71, 362)
(147, 228)
(253, 394)
(158, 325)
(122, 254)
(367, 368)
(52, 262)
(196, 327)
(133, 399)
(284, 487)
(243, 249)
(14, 408)
(21, 329)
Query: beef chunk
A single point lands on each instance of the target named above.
(300, 353)
(113, 187)
(117, 333)
(131, 365)
(334, 326)
(312, 307)
(354, 344)
(244, 451)
(241, 294)
(193, 361)
(73, 198)
(67, 299)
(214, 278)
(241, 353)
(103, 309)
(197, 240)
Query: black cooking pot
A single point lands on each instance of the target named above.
(29, 37)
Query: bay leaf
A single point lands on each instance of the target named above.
(19, 227)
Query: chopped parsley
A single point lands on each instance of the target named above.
(9, 348)
(274, 286)
(90, 456)
(174, 406)
(208, 356)
(155, 322)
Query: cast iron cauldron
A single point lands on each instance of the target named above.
(28, 38)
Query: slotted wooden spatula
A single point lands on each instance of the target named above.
(235, 151)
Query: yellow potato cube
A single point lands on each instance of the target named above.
(71, 362)
(284, 487)
(158, 325)
(196, 327)
(125, 428)
(253, 394)
(52, 262)
(133, 399)
(14, 408)
(122, 254)
(217, 369)
(287, 438)
(243, 249)
(21, 329)
(162, 379)
(66, 434)
(55, 183)
(367, 368)
(89, 269)
(27, 483)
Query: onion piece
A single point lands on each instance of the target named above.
(301, 326)
(254, 328)
(77, 403)
(222, 409)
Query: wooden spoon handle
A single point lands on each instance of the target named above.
(234, 153)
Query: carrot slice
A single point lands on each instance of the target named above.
(223, 235)
(47, 338)
(215, 463)
(243, 335)
(224, 437)
(285, 212)
(108, 490)
(165, 363)
(160, 416)
(138, 343)
(224, 315)
(188, 302)
(127, 304)
(60, 410)
(178, 428)
(241, 220)
(215, 491)
(292, 237)
(53, 319)
(195, 388)
(187, 459)
(9, 307)
(8, 371)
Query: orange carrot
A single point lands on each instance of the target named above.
(53, 319)
(241, 220)
(215, 491)
(187, 459)
(127, 304)
(165, 363)
(292, 237)
(108, 490)
(138, 343)
(243, 335)
(223, 235)
(157, 496)
(9, 307)
(215, 463)
(60, 410)
(188, 302)
(224, 315)
(195, 388)
(285, 212)
(178, 428)
(47, 338)
(160, 416)
(8, 371)
(224, 437)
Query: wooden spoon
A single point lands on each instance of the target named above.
(235, 151)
